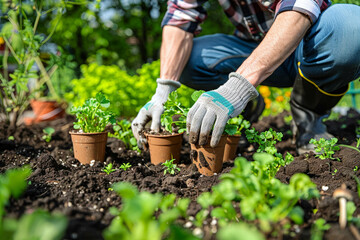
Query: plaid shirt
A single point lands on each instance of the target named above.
(252, 18)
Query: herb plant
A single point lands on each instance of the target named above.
(235, 125)
(122, 131)
(48, 133)
(109, 169)
(93, 116)
(318, 228)
(170, 167)
(174, 117)
(325, 148)
(125, 166)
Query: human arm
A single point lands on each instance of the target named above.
(282, 39)
(175, 51)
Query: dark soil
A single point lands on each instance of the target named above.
(60, 183)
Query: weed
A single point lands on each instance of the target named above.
(170, 167)
(108, 169)
(125, 166)
(49, 131)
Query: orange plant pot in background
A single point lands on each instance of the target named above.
(44, 111)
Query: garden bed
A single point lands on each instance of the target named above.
(60, 183)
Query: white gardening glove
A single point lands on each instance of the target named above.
(153, 110)
(217, 107)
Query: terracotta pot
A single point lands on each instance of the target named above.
(44, 111)
(164, 147)
(89, 146)
(231, 147)
(208, 160)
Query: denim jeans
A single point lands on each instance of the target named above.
(328, 55)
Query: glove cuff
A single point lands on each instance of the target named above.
(239, 91)
(164, 88)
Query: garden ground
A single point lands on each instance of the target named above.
(60, 183)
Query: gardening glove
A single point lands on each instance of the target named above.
(218, 106)
(153, 110)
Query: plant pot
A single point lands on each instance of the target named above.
(89, 146)
(208, 160)
(231, 147)
(164, 147)
(44, 111)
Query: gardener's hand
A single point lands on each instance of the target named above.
(153, 110)
(217, 107)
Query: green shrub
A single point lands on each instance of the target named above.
(126, 93)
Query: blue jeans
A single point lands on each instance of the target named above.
(328, 55)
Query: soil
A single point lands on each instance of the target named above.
(59, 183)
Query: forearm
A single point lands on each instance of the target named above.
(175, 51)
(282, 39)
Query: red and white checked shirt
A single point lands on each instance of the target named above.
(252, 18)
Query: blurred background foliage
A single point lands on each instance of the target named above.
(113, 46)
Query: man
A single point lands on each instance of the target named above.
(304, 44)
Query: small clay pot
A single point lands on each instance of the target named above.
(231, 147)
(208, 160)
(164, 147)
(44, 111)
(89, 146)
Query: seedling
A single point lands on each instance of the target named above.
(92, 116)
(325, 148)
(125, 166)
(235, 125)
(170, 167)
(335, 171)
(318, 228)
(356, 168)
(174, 117)
(122, 131)
(49, 131)
(11, 138)
(109, 169)
(349, 146)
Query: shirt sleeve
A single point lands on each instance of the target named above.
(185, 14)
(311, 8)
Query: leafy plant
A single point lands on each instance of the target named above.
(335, 171)
(318, 228)
(170, 167)
(248, 192)
(29, 226)
(122, 131)
(266, 143)
(326, 148)
(49, 131)
(108, 169)
(93, 115)
(174, 117)
(235, 125)
(125, 166)
(136, 219)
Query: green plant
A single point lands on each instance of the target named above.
(351, 147)
(266, 143)
(93, 115)
(174, 117)
(22, 44)
(125, 166)
(136, 219)
(170, 167)
(249, 193)
(356, 168)
(11, 138)
(124, 95)
(48, 133)
(235, 125)
(122, 131)
(326, 148)
(335, 171)
(29, 226)
(318, 228)
(239, 231)
(108, 169)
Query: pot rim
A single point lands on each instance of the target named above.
(162, 136)
(73, 132)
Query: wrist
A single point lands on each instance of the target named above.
(164, 88)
